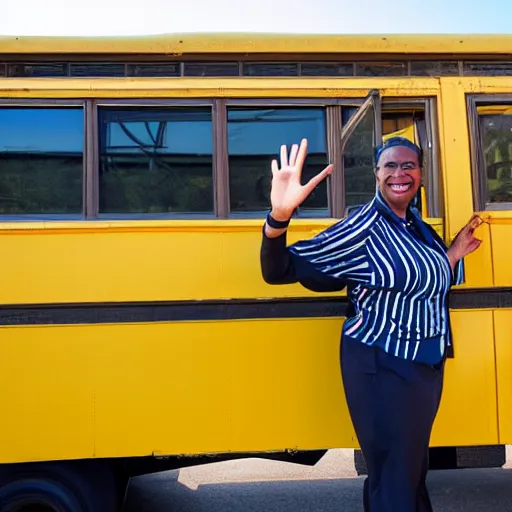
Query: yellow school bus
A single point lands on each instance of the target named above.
(136, 331)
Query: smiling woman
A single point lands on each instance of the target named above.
(398, 173)
(398, 273)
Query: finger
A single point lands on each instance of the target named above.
(293, 154)
(476, 243)
(473, 225)
(313, 182)
(475, 221)
(467, 230)
(284, 156)
(274, 166)
(473, 245)
(301, 156)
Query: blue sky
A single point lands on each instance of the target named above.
(124, 17)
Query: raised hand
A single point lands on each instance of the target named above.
(287, 193)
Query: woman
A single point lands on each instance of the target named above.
(398, 273)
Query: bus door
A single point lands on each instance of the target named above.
(490, 126)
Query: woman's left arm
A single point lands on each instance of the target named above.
(465, 243)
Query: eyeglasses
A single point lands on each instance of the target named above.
(390, 167)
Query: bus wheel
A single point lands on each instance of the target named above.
(57, 487)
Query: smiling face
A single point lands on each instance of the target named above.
(399, 177)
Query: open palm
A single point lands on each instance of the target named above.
(287, 192)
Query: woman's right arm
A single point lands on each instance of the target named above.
(287, 193)
(275, 259)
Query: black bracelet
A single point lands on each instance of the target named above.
(277, 224)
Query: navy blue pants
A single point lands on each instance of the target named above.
(393, 404)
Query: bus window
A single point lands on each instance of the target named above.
(41, 153)
(361, 134)
(254, 138)
(412, 120)
(410, 125)
(155, 160)
(358, 162)
(493, 128)
(256, 130)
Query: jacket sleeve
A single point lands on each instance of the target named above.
(280, 266)
(275, 260)
(459, 274)
(324, 263)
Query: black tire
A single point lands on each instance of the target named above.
(84, 486)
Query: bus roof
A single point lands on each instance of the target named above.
(237, 43)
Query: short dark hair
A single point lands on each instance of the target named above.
(399, 141)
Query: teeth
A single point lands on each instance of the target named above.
(400, 187)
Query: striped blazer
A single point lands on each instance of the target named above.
(396, 272)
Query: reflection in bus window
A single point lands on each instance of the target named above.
(41, 160)
(254, 139)
(496, 136)
(156, 160)
(358, 160)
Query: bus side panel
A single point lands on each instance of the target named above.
(479, 264)
(468, 412)
(287, 386)
(171, 388)
(48, 265)
(51, 266)
(503, 329)
(47, 392)
(202, 387)
(502, 251)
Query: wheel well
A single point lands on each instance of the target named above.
(81, 486)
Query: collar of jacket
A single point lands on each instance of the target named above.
(413, 218)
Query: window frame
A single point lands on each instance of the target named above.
(336, 136)
(335, 189)
(93, 171)
(479, 180)
(57, 103)
(432, 177)
(333, 129)
(432, 153)
(372, 100)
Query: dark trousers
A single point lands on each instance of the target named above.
(393, 404)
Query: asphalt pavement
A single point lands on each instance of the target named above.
(255, 485)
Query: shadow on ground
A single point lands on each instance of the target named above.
(471, 490)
